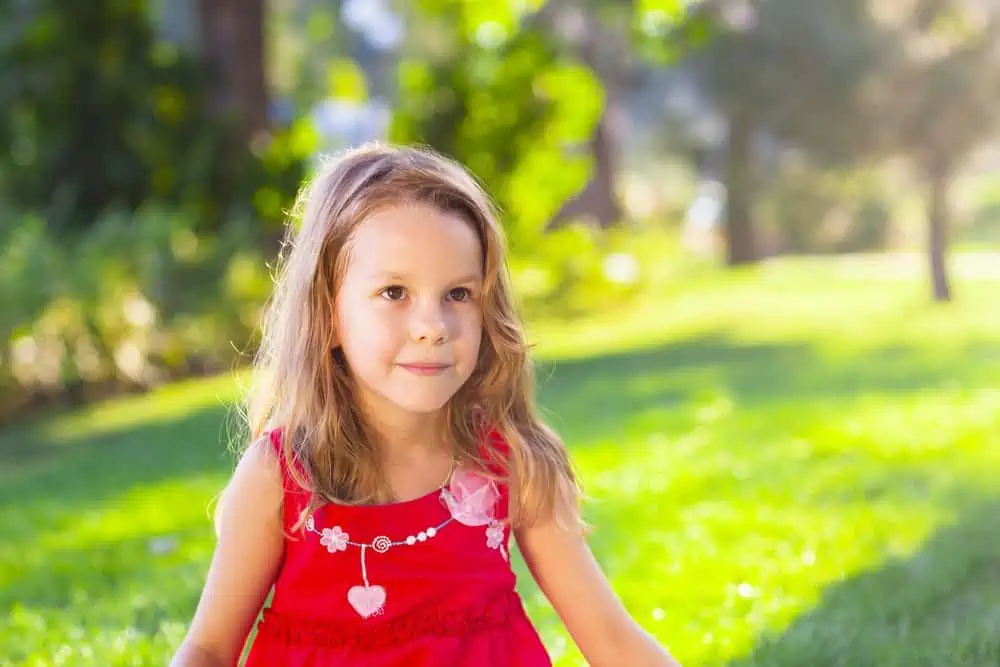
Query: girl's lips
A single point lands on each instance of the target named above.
(425, 369)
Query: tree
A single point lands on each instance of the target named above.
(561, 67)
(795, 70)
(596, 33)
(232, 41)
(96, 116)
(101, 113)
(944, 102)
(484, 84)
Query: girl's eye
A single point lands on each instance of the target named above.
(460, 294)
(393, 293)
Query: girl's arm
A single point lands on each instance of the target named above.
(245, 563)
(568, 574)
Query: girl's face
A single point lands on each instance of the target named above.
(408, 310)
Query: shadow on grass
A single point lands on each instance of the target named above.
(940, 607)
(100, 466)
(591, 398)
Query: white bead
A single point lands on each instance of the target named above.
(431, 532)
(422, 536)
(411, 540)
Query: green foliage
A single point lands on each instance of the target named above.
(498, 96)
(99, 114)
(133, 300)
(577, 269)
(773, 460)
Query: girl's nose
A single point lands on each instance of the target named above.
(428, 325)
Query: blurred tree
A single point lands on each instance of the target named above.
(597, 34)
(232, 41)
(794, 70)
(100, 113)
(531, 86)
(483, 86)
(941, 100)
(80, 92)
(608, 37)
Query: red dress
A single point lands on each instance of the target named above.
(417, 583)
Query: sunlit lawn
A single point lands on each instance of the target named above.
(787, 466)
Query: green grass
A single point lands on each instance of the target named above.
(791, 465)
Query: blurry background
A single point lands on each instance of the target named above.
(757, 243)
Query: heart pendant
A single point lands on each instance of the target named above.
(367, 600)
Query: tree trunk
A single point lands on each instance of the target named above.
(604, 147)
(598, 200)
(738, 229)
(938, 218)
(596, 49)
(232, 40)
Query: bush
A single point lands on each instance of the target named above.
(130, 302)
(808, 210)
(984, 223)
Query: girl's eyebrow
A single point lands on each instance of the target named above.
(395, 275)
(386, 275)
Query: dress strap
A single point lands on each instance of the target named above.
(294, 497)
(495, 454)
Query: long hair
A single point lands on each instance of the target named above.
(300, 382)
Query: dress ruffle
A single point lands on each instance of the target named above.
(298, 631)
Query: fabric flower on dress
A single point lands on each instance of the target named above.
(471, 498)
(334, 539)
(494, 537)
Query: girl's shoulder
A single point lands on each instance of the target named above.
(256, 484)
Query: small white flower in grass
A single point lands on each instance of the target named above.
(334, 539)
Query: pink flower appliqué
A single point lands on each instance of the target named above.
(494, 537)
(334, 539)
(471, 498)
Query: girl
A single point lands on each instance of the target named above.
(396, 448)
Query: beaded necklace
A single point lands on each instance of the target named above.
(471, 500)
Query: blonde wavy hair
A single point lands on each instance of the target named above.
(301, 383)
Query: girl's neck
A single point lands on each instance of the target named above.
(405, 436)
(414, 449)
(416, 454)
(406, 439)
